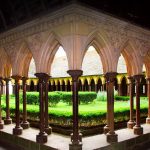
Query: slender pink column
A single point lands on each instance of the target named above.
(7, 120)
(119, 90)
(48, 129)
(25, 124)
(18, 129)
(96, 88)
(148, 94)
(76, 136)
(137, 128)
(131, 122)
(42, 136)
(1, 122)
(111, 135)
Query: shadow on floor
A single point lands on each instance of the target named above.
(6, 146)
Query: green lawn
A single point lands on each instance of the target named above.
(95, 107)
(89, 114)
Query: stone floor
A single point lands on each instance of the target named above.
(61, 142)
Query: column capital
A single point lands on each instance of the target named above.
(7, 79)
(110, 76)
(148, 79)
(24, 78)
(138, 77)
(130, 79)
(75, 73)
(16, 77)
(43, 76)
(1, 78)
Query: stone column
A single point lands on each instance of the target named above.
(75, 137)
(96, 88)
(90, 88)
(1, 122)
(111, 135)
(103, 87)
(42, 136)
(27, 87)
(66, 89)
(1, 87)
(13, 86)
(7, 120)
(61, 87)
(137, 128)
(35, 88)
(18, 129)
(148, 94)
(119, 89)
(82, 87)
(52, 87)
(131, 122)
(25, 124)
(128, 89)
(48, 129)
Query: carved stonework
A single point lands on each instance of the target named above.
(34, 42)
(77, 14)
(143, 47)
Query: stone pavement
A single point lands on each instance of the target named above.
(126, 140)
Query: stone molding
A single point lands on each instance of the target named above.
(112, 26)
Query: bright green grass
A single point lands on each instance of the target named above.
(97, 107)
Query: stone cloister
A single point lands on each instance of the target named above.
(75, 28)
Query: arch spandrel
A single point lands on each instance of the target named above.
(129, 51)
(17, 52)
(5, 70)
(102, 45)
(73, 45)
(147, 63)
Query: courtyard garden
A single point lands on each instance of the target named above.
(92, 108)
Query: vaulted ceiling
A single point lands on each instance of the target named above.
(16, 12)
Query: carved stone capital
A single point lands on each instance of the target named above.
(1, 78)
(7, 80)
(138, 78)
(16, 78)
(110, 76)
(43, 77)
(131, 79)
(75, 74)
(148, 80)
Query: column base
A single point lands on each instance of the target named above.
(41, 138)
(130, 124)
(138, 130)
(17, 131)
(112, 138)
(1, 125)
(75, 146)
(8, 121)
(48, 130)
(25, 125)
(106, 129)
(147, 120)
(80, 137)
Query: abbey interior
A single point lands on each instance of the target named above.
(98, 52)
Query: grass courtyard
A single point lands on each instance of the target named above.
(89, 114)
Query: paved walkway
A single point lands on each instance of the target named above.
(62, 142)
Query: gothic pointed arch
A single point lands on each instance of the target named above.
(101, 44)
(92, 64)
(59, 64)
(147, 63)
(128, 50)
(5, 63)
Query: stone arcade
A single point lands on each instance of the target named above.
(75, 28)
